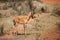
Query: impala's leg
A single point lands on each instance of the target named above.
(24, 29)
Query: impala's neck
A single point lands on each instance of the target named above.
(30, 16)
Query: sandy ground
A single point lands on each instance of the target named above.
(31, 33)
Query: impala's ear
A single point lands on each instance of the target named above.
(29, 13)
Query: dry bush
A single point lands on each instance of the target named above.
(6, 24)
